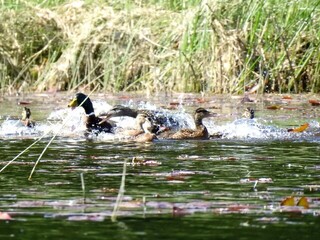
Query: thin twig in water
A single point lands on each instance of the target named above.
(83, 186)
(16, 157)
(120, 193)
(40, 156)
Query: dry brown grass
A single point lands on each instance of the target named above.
(78, 45)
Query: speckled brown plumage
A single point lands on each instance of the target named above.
(200, 132)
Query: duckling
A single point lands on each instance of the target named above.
(147, 127)
(200, 132)
(249, 113)
(93, 123)
(25, 119)
(139, 128)
(142, 131)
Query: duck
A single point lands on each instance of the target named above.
(142, 131)
(93, 123)
(145, 124)
(25, 118)
(249, 113)
(160, 122)
(200, 132)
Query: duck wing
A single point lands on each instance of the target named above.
(189, 134)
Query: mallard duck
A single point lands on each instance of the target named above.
(139, 127)
(142, 131)
(93, 123)
(146, 126)
(25, 118)
(200, 132)
(249, 113)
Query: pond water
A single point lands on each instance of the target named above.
(228, 188)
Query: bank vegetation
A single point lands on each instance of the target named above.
(216, 46)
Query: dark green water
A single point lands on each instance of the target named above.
(228, 188)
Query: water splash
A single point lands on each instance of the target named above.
(70, 123)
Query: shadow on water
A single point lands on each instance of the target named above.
(224, 188)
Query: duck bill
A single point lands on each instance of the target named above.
(211, 114)
(73, 103)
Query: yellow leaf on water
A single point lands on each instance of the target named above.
(299, 129)
(289, 201)
(303, 202)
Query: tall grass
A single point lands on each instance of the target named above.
(226, 46)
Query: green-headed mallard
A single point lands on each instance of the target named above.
(93, 123)
(200, 132)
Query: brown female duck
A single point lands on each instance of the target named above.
(146, 126)
(93, 123)
(142, 131)
(160, 121)
(200, 132)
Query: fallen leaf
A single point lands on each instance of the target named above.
(274, 107)
(24, 103)
(314, 102)
(232, 158)
(287, 97)
(303, 202)
(299, 129)
(175, 178)
(289, 201)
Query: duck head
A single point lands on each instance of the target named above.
(249, 113)
(202, 113)
(83, 100)
(26, 113)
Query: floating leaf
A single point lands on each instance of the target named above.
(303, 202)
(302, 128)
(289, 201)
(24, 103)
(287, 97)
(274, 107)
(314, 102)
(232, 158)
(175, 178)
(174, 104)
